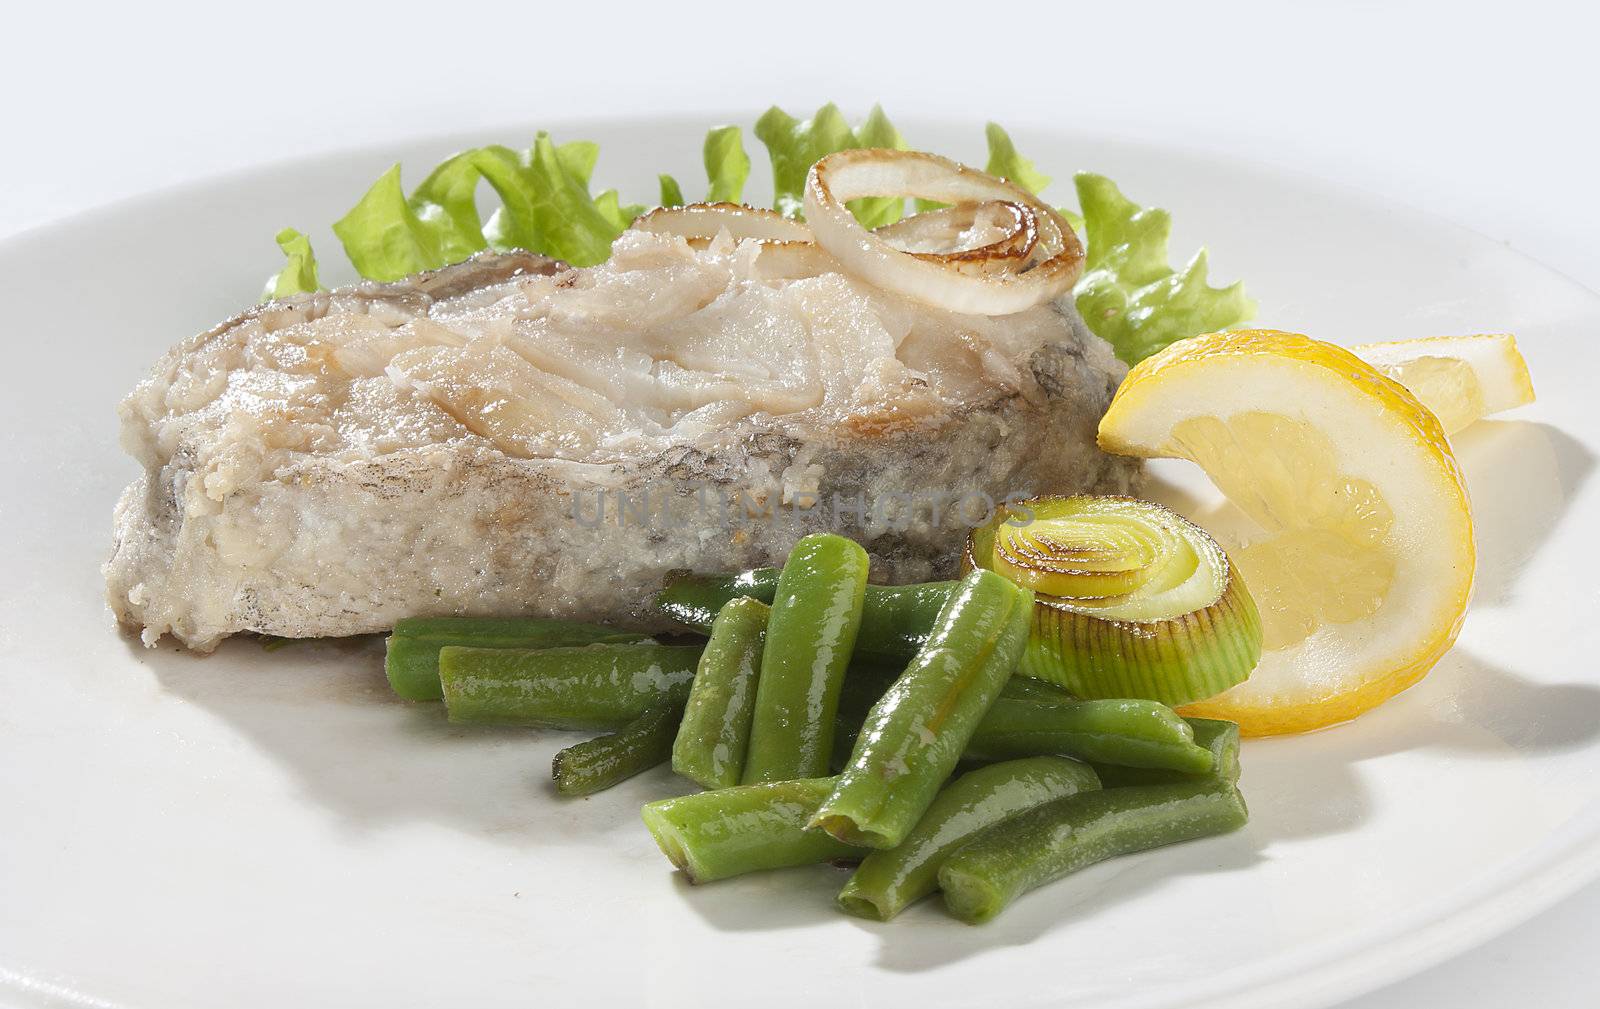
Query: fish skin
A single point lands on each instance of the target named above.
(319, 546)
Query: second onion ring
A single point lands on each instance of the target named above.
(940, 233)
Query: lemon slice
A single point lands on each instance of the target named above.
(1460, 378)
(1358, 549)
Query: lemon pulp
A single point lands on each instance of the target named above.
(1322, 554)
(1447, 385)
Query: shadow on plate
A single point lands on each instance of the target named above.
(1309, 785)
(766, 901)
(924, 937)
(324, 711)
(1471, 707)
(1523, 476)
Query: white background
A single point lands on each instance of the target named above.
(1483, 114)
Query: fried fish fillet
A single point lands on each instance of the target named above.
(513, 436)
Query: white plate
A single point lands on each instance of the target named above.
(269, 830)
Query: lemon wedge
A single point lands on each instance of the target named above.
(1462, 379)
(1358, 541)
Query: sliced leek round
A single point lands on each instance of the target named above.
(1132, 600)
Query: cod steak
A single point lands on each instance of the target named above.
(512, 436)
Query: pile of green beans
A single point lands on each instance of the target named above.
(948, 772)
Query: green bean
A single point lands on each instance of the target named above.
(1129, 732)
(591, 687)
(714, 835)
(1104, 733)
(695, 600)
(596, 764)
(1026, 688)
(810, 635)
(412, 660)
(715, 733)
(888, 881)
(1052, 840)
(1219, 737)
(916, 732)
(895, 619)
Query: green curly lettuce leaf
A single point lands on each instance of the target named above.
(1005, 162)
(1129, 294)
(727, 165)
(794, 145)
(447, 203)
(545, 207)
(545, 204)
(384, 237)
(388, 235)
(299, 274)
(671, 192)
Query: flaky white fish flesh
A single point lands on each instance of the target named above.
(512, 436)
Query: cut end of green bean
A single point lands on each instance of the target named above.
(412, 667)
(970, 897)
(862, 905)
(747, 828)
(846, 830)
(1221, 738)
(670, 839)
(1217, 737)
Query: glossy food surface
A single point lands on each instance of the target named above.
(816, 611)
(711, 743)
(919, 728)
(887, 881)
